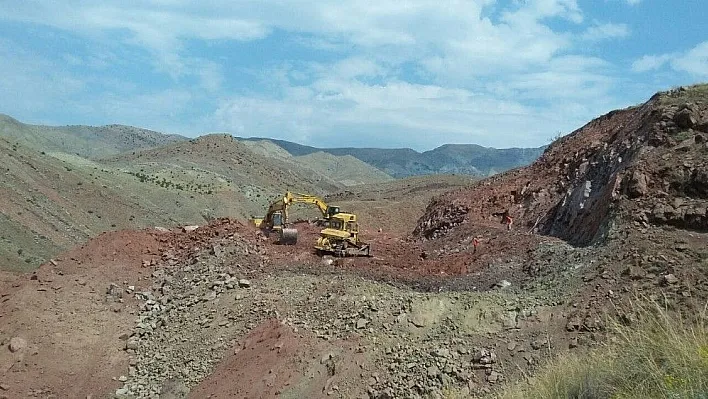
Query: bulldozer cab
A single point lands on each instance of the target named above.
(344, 222)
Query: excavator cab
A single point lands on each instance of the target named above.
(331, 211)
(277, 219)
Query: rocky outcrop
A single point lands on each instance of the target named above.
(645, 164)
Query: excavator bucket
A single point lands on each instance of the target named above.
(288, 236)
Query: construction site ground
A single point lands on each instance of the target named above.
(409, 321)
(613, 213)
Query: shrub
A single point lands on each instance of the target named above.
(661, 355)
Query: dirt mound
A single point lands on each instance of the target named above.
(84, 303)
(586, 181)
(259, 368)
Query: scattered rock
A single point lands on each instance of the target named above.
(485, 357)
(573, 323)
(669, 279)
(17, 344)
(635, 272)
(132, 344)
(494, 377)
(538, 344)
(418, 321)
(441, 352)
(361, 323)
(187, 229)
(114, 292)
(243, 283)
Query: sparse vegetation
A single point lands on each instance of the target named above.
(681, 136)
(696, 93)
(198, 188)
(660, 356)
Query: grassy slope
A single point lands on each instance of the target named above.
(86, 141)
(345, 169)
(218, 163)
(660, 356)
(52, 201)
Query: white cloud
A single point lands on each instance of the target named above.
(694, 61)
(650, 62)
(475, 64)
(606, 31)
(338, 110)
(29, 80)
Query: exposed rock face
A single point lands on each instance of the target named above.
(645, 164)
(637, 185)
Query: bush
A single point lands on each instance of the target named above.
(658, 356)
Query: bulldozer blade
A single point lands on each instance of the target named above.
(364, 250)
(288, 236)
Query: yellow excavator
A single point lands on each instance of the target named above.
(341, 237)
(327, 210)
(276, 218)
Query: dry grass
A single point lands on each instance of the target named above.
(697, 93)
(659, 356)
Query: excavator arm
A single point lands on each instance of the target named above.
(326, 210)
(276, 217)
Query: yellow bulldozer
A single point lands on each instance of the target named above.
(341, 237)
(276, 218)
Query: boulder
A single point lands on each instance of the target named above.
(684, 119)
(637, 185)
(17, 344)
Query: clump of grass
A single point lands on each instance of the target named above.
(661, 355)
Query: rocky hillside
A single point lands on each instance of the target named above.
(467, 159)
(85, 141)
(219, 162)
(645, 164)
(49, 203)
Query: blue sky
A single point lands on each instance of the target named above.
(385, 73)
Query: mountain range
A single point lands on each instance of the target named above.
(469, 159)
